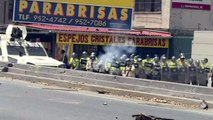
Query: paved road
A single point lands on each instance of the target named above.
(26, 101)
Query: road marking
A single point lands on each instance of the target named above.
(36, 87)
(65, 101)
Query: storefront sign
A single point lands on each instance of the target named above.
(112, 40)
(114, 14)
(192, 4)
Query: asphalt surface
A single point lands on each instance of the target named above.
(27, 101)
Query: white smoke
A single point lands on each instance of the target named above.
(116, 51)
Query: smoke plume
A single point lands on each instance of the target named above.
(116, 51)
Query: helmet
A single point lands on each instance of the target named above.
(182, 57)
(205, 60)
(197, 62)
(121, 58)
(132, 55)
(147, 56)
(191, 61)
(92, 56)
(93, 53)
(124, 56)
(156, 59)
(139, 59)
(181, 54)
(136, 57)
(163, 59)
(155, 55)
(73, 54)
(127, 60)
(84, 53)
(163, 55)
(173, 58)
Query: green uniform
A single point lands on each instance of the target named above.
(122, 66)
(74, 62)
(147, 65)
(115, 68)
(173, 66)
(182, 69)
(156, 71)
(164, 71)
(207, 70)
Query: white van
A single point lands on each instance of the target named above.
(24, 52)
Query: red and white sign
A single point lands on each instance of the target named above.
(192, 4)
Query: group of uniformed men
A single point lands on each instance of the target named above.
(175, 70)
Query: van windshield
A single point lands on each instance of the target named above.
(36, 51)
(15, 50)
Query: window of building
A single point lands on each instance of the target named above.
(148, 5)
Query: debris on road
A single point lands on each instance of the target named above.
(102, 92)
(105, 103)
(142, 116)
(204, 105)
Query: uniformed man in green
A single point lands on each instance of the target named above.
(201, 76)
(191, 71)
(83, 61)
(147, 65)
(206, 67)
(115, 67)
(122, 63)
(173, 69)
(139, 72)
(74, 61)
(92, 64)
(156, 71)
(182, 69)
(164, 69)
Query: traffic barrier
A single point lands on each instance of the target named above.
(159, 87)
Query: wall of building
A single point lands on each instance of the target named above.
(6, 11)
(176, 20)
(154, 19)
(202, 46)
(190, 20)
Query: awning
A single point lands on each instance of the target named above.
(99, 30)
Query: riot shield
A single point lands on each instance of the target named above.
(148, 65)
(148, 70)
(191, 75)
(137, 70)
(173, 74)
(182, 72)
(116, 69)
(84, 61)
(156, 72)
(201, 77)
(83, 64)
(165, 74)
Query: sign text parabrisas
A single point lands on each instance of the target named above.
(73, 10)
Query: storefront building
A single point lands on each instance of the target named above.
(87, 26)
(79, 39)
